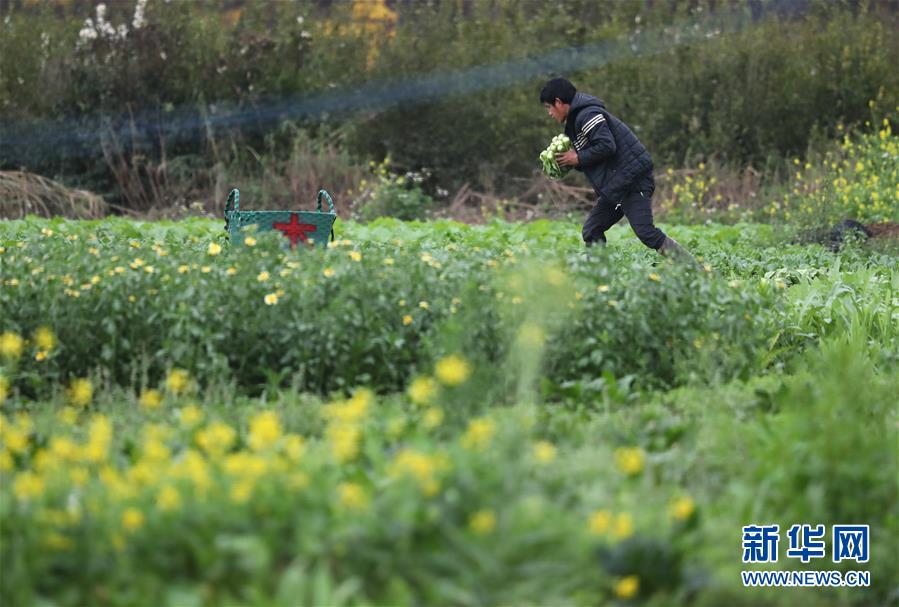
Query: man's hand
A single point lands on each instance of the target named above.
(567, 159)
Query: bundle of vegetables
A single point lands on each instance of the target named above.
(560, 143)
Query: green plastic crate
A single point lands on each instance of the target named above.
(306, 227)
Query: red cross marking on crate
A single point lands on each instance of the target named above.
(294, 230)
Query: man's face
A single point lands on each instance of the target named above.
(558, 110)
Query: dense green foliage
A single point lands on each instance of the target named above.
(144, 299)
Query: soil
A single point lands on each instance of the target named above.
(883, 230)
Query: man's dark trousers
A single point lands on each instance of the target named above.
(636, 206)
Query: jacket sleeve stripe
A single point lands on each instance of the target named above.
(588, 126)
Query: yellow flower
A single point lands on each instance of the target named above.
(629, 460)
(344, 440)
(216, 438)
(603, 288)
(419, 466)
(16, 439)
(452, 370)
(423, 305)
(64, 448)
(433, 417)
(242, 490)
(191, 415)
(422, 390)
(352, 410)
(44, 339)
(482, 522)
(599, 522)
(132, 519)
(294, 447)
(271, 299)
(388, 261)
(624, 526)
(178, 381)
(81, 391)
(168, 498)
(150, 399)
(479, 433)
(68, 416)
(351, 496)
(182, 269)
(328, 272)
(263, 276)
(28, 485)
(682, 508)
(355, 255)
(627, 587)
(407, 320)
(79, 476)
(214, 248)
(11, 345)
(249, 241)
(544, 452)
(265, 430)
(40, 356)
(654, 277)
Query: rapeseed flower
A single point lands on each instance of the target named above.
(544, 452)
(81, 391)
(629, 460)
(168, 498)
(627, 587)
(150, 399)
(452, 370)
(479, 433)
(422, 390)
(265, 430)
(351, 496)
(216, 438)
(599, 522)
(11, 345)
(482, 522)
(44, 339)
(28, 485)
(132, 519)
(178, 381)
(623, 526)
(432, 418)
(190, 416)
(420, 466)
(682, 508)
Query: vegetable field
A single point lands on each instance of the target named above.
(435, 413)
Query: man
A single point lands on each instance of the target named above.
(615, 162)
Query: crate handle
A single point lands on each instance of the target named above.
(233, 197)
(330, 202)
